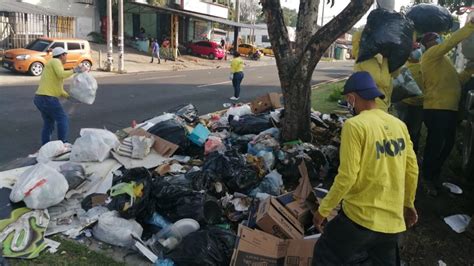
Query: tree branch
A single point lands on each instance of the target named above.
(278, 33)
(306, 25)
(339, 25)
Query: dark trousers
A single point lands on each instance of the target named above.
(441, 125)
(52, 113)
(412, 116)
(236, 80)
(347, 243)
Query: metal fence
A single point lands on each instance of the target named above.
(19, 29)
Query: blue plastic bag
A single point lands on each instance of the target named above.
(199, 135)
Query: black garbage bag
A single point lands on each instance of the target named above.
(141, 206)
(250, 124)
(430, 18)
(210, 247)
(186, 111)
(172, 131)
(178, 202)
(231, 168)
(389, 33)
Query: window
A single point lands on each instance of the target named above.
(73, 46)
(204, 44)
(265, 38)
(38, 45)
(57, 44)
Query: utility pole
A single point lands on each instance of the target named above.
(121, 66)
(322, 15)
(109, 64)
(237, 19)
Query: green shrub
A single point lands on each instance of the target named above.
(96, 37)
(336, 92)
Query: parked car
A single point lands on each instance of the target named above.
(267, 50)
(207, 48)
(246, 49)
(35, 55)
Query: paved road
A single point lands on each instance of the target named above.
(121, 99)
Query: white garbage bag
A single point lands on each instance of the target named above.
(114, 230)
(404, 86)
(83, 88)
(108, 137)
(51, 150)
(40, 187)
(90, 148)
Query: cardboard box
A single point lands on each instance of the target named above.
(300, 210)
(161, 146)
(295, 201)
(266, 102)
(275, 219)
(259, 248)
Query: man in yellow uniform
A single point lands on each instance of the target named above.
(237, 72)
(49, 91)
(410, 110)
(376, 182)
(442, 92)
(378, 68)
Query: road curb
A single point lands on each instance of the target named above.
(317, 86)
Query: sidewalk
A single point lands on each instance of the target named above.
(138, 62)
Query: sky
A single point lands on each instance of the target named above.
(339, 5)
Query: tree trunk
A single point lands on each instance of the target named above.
(296, 122)
(296, 67)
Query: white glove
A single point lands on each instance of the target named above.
(231, 76)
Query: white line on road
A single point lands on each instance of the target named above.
(165, 77)
(213, 84)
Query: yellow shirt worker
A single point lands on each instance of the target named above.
(51, 87)
(442, 93)
(237, 72)
(376, 182)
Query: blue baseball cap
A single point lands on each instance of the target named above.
(364, 85)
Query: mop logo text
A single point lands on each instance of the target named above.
(389, 147)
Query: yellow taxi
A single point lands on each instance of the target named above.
(267, 50)
(246, 49)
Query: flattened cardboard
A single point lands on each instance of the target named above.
(304, 189)
(266, 102)
(275, 219)
(161, 146)
(259, 248)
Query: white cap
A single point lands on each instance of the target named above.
(58, 51)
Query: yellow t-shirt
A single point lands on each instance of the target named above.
(415, 70)
(378, 173)
(237, 65)
(442, 86)
(378, 70)
(52, 79)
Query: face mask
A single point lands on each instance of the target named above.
(439, 40)
(351, 107)
(416, 54)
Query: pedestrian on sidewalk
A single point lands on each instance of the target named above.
(442, 93)
(237, 73)
(410, 110)
(49, 91)
(155, 51)
(376, 182)
(166, 49)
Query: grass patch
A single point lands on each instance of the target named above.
(69, 253)
(325, 97)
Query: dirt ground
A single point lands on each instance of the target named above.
(432, 240)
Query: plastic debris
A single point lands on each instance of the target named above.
(458, 222)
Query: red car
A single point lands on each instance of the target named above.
(211, 49)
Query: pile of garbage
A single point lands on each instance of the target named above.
(178, 188)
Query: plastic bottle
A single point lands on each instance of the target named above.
(158, 221)
(170, 236)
